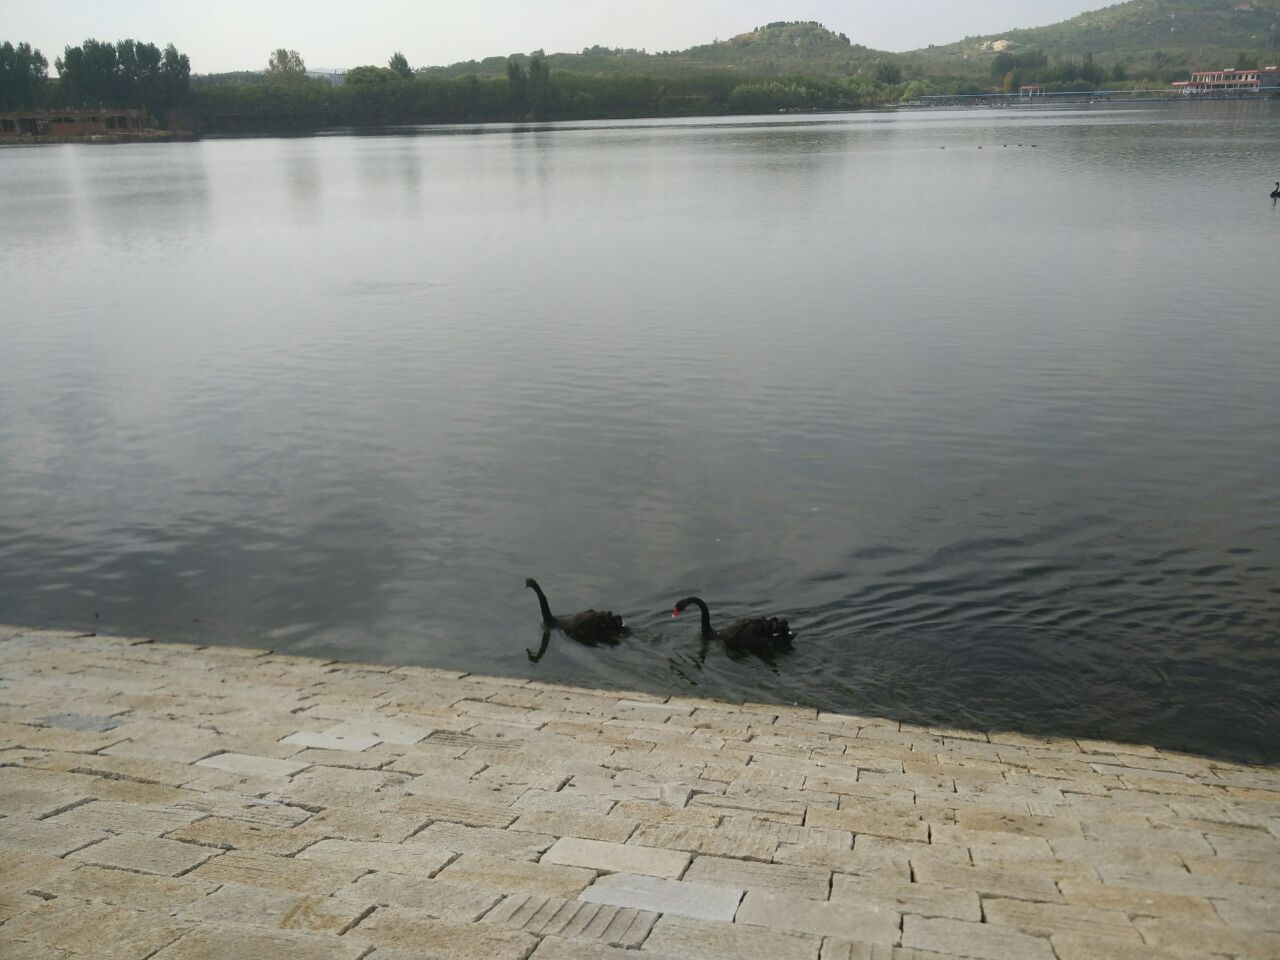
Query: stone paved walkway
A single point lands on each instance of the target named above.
(182, 803)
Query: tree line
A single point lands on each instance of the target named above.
(126, 73)
(283, 96)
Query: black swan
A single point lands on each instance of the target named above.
(1275, 194)
(592, 627)
(763, 636)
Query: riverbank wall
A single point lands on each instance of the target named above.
(176, 802)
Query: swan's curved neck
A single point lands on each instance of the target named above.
(706, 618)
(547, 618)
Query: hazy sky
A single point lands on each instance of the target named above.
(239, 34)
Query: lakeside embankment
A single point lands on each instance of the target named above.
(177, 802)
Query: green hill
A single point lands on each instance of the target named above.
(1191, 33)
(783, 48)
(1154, 39)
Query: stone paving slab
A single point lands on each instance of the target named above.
(176, 802)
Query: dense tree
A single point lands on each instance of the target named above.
(372, 75)
(23, 76)
(541, 92)
(123, 74)
(286, 65)
(518, 86)
(887, 71)
(400, 64)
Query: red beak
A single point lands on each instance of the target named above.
(675, 613)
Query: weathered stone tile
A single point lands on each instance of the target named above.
(440, 939)
(133, 891)
(682, 898)
(111, 817)
(245, 765)
(1262, 848)
(139, 770)
(707, 940)
(331, 739)
(512, 844)
(880, 864)
(1263, 915)
(77, 721)
(278, 909)
(877, 825)
(23, 794)
(1075, 946)
(1136, 901)
(14, 903)
(517, 876)
(468, 812)
(1207, 937)
(617, 857)
(1046, 919)
(435, 898)
(998, 881)
(863, 922)
(555, 802)
(336, 786)
(45, 836)
(254, 869)
(1055, 826)
(48, 738)
(1171, 880)
(359, 855)
(739, 844)
(991, 844)
(437, 760)
(226, 834)
(1236, 871)
(789, 833)
(924, 899)
(979, 940)
(358, 823)
(651, 811)
(21, 870)
(811, 882)
(167, 858)
(553, 916)
(784, 812)
(99, 931)
(589, 826)
(214, 941)
(916, 854)
(1100, 852)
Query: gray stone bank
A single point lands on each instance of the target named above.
(192, 803)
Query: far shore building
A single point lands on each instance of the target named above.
(1031, 90)
(56, 123)
(1264, 80)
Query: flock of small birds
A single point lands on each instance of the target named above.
(762, 636)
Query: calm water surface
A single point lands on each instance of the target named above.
(995, 428)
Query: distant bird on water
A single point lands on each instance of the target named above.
(590, 627)
(763, 636)
(1275, 194)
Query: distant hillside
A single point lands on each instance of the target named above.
(1198, 33)
(1158, 39)
(777, 49)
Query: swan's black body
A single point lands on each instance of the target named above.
(591, 627)
(1275, 194)
(763, 636)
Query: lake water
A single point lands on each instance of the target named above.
(996, 429)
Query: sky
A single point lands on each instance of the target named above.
(227, 35)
